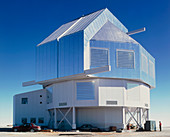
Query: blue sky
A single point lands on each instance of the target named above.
(25, 23)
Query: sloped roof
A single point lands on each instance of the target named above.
(72, 27)
(109, 32)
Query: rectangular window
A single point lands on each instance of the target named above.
(99, 57)
(24, 120)
(144, 63)
(33, 120)
(151, 69)
(24, 101)
(40, 120)
(125, 59)
(85, 90)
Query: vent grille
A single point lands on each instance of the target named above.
(63, 104)
(125, 59)
(85, 90)
(99, 57)
(111, 102)
(146, 105)
(144, 63)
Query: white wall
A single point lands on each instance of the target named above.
(100, 117)
(116, 90)
(33, 109)
(63, 93)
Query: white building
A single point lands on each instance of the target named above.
(92, 72)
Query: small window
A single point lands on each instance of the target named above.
(40, 102)
(33, 120)
(41, 120)
(125, 59)
(144, 63)
(40, 96)
(99, 57)
(24, 120)
(24, 100)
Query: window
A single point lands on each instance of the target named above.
(24, 120)
(144, 64)
(85, 90)
(24, 100)
(151, 69)
(33, 120)
(99, 57)
(125, 59)
(41, 120)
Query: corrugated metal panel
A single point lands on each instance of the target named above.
(99, 57)
(125, 59)
(84, 22)
(47, 61)
(71, 54)
(58, 32)
(144, 63)
(109, 32)
(85, 90)
(74, 26)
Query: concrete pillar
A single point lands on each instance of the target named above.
(74, 118)
(55, 118)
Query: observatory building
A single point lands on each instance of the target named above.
(92, 72)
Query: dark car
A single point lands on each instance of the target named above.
(27, 127)
(88, 127)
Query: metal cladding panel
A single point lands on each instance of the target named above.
(46, 61)
(148, 77)
(109, 32)
(58, 32)
(84, 22)
(116, 72)
(94, 27)
(71, 54)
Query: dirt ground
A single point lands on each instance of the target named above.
(164, 133)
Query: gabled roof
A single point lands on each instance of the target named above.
(109, 32)
(72, 27)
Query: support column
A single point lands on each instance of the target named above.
(124, 117)
(74, 119)
(140, 117)
(55, 118)
(147, 118)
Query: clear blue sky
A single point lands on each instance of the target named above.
(25, 23)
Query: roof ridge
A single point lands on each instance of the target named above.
(69, 28)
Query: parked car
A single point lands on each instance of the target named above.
(88, 127)
(27, 127)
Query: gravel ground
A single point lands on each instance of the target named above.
(164, 133)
